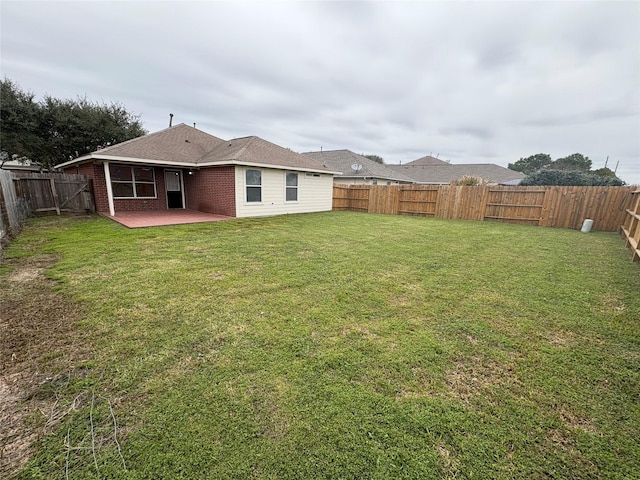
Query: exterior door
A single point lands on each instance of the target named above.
(173, 182)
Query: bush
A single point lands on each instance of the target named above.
(570, 178)
(469, 180)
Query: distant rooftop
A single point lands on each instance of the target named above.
(425, 170)
(344, 161)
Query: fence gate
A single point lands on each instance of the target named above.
(56, 192)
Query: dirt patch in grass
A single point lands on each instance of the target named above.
(476, 375)
(449, 464)
(39, 350)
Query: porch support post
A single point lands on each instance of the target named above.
(107, 177)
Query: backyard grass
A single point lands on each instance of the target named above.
(339, 346)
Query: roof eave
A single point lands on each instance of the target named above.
(148, 161)
(267, 165)
(114, 158)
(74, 161)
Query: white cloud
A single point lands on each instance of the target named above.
(474, 82)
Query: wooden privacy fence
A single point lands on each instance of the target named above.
(564, 207)
(631, 227)
(55, 192)
(13, 210)
(24, 194)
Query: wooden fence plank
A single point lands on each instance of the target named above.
(631, 226)
(54, 194)
(45, 192)
(564, 207)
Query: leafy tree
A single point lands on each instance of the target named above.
(375, 158)
(604, 172)
(531, 164)
(73, 128)
(54, 131)
(575, 162)
(558, 177)
(19, 120)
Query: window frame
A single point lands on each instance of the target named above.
(253, 186)
(288, 188)
(133, 182)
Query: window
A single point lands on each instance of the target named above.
(254, 185)
(291, 194)
(132, 182)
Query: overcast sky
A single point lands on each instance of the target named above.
(471, 82)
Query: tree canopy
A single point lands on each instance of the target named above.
(54, 130)
(572, 163)
(559, 177)
(573, 169)
(531, 164)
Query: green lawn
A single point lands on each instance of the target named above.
(344, 346)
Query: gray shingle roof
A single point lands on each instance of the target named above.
(255, 150)
(185, 145)
(447, 172)
(180, 143)
(428, 160)
(342, 160)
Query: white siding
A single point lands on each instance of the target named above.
(315, 194)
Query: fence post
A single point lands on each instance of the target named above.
(54, 192)
(4, 211)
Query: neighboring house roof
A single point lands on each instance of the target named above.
(447, 172)
(185, 146)
(428, 160)
(343, 160)
(21, 165)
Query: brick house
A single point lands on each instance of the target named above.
(182, 167)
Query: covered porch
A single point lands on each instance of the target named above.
(157, 218)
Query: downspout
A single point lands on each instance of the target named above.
(107, 177)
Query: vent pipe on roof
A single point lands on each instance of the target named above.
(170, 119)
(194, 124)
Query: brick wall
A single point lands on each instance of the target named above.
(96, 172)
(212, 190)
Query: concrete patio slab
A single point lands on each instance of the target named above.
(157, 218)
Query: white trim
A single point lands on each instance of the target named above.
(191, 165)
(107, 177)
(246, 186)
(266, 165)
(138, 160)
(134, 183)
(287, 187)
(74, 161)
(166, 190)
